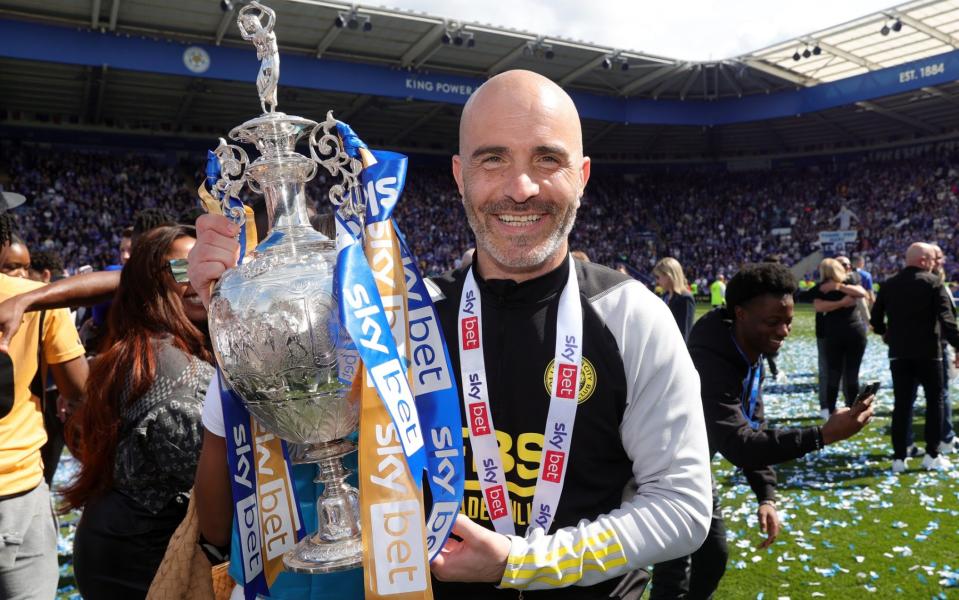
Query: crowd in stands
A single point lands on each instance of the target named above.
(712, 221)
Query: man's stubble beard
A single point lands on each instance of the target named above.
(522, 257)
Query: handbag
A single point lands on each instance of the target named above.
(186, 572)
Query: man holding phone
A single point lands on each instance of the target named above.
(727, 346)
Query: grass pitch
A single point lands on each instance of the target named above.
(850, 527)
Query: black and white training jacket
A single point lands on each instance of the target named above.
(637, 489)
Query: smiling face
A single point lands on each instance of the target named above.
(764, 323)
(521, 173)
(192, 306)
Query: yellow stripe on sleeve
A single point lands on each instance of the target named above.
(599, 538)
(566, 579)
(563, 566)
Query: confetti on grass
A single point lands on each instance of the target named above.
(850, 525)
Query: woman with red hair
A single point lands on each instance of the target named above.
(138, 434)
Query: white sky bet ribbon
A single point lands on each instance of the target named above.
(362, 312)
(560, 420)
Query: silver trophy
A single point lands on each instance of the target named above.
(274, 319)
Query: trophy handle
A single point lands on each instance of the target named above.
(326, 149)
(233, 162)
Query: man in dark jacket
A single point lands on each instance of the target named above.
(913, 314)
(727, 346)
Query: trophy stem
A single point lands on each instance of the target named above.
(336, 545)
(286, 205)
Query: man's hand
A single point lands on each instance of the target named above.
(847, 422)
(11, 316)
(848, 301)
(216, 250)
(480, 556)
(768, 524)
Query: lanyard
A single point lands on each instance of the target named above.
(751, 383)
(559, 421)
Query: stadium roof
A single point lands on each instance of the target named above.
(139, 101)
(891, 37)
(414, 41)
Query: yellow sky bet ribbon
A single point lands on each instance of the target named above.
(213, 206)
(395, 558)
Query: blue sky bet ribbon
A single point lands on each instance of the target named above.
(362, 312)
(437, 400)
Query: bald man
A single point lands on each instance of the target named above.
(578, 375)
(913, 314)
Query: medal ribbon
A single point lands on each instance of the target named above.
(564, 392)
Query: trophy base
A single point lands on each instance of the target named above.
(312, 557)
(337, 545)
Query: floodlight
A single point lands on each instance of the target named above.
(806, 53)
(367, 25)
(884, 30)
(624, 66)
(817, 50)
(549, 54)
(796, 55)
(897, 26)
(447, 38)
(607, 64)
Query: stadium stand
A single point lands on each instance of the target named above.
(79, 201)
(745, 157)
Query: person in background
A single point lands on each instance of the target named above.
(950, 443)
(28, 555)
(844, 332)
(15, 257)
(138, 435)
(45, 266)
(669, 276)
(913, 314)
(717, 291)
(727, 346)
(859, 263)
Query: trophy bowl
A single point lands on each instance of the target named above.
(275, 330)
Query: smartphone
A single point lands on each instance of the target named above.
(867, 391)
